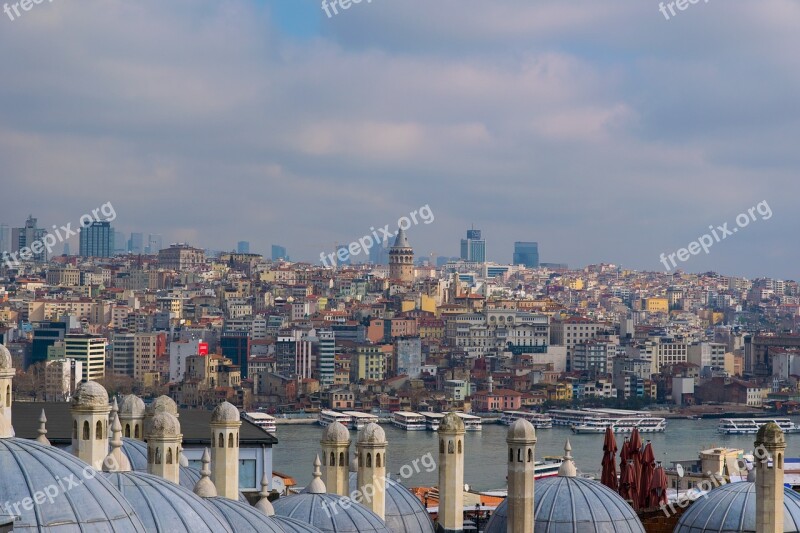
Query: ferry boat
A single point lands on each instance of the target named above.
(471, 422)
(573, 417)
(409, 421)
(539, 421)
(358, 419)
(262, 420)
(750, 426)
(328, 417)
(649, 424)
(432, 420)
(547, 467)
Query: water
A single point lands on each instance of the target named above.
(485, 451)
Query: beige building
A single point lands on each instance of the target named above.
(181, 257)
(90, 351)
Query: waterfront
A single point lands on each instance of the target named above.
(485, 465)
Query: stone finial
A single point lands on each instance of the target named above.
(114, 411)
(317, 486)
(205, 487)
(116, 460)
(42, 438)
(263, 504)
(567, 468)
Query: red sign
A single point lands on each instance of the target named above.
(202, 348)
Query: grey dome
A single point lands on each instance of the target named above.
(372, 434)
(164, 404)
(164, 424)
(404, 512)
(521, 430)
(90, 394)
(290, 525)
(93, 505)
(225, 413)
(244, 518)
(732, 508)
(326, 512)
(163, 506)
(451, 423)
(5, 358)
(574, 504)
(336, 432)
(132, 407)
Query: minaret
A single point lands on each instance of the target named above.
(116, 460)
(131, 416)
(225, 425)
(371, 449)
(7, 372)
(770, 444)
(42, 438)
(90, 410)
(336, 459)
(401, 259)
(521, 440)
(164, 447)
(162, 404)
(451, 474)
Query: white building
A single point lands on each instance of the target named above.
(90, 350)
(179, 351)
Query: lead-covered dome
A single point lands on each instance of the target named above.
(732, 508)
(574, 504)
(225, 413)
(330, 513)
(244, 518)
(404, 512)
(82, 499)
(90, 394)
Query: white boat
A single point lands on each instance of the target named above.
(471, 422)
(262, 420)
(358, 419)
(547, 467)
(649, 424)
(750, 426)
(539, 420)
(432, 420)
(572, 417)
(409, 421)
(327, 417)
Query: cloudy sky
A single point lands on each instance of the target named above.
(600, 129)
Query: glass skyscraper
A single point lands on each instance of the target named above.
(97, 240)
(526, 253)
(473, 248)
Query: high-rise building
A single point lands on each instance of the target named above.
(346, 254)
(26, 236)
(147, 348)
(97, 240)
(122, 354)
(5, 239)
(379, 253)
(326, 357)
(526, 253)
(154, 244)
(243, 247)
(136, 243)
(120, 243)
(90, 350)
(473, 248)
(279, 252)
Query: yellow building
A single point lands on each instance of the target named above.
(561, 391)
(368, 363)
(656, 305)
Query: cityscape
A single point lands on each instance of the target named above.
(399, 267)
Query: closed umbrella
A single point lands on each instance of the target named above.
(648, 467)
(658, 487)
(627, 484)
(609, 473)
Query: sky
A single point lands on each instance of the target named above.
(607, 131)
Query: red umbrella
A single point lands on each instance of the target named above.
(658, 487)
(609, 474)
(624, 454)
(627, 484)
(648, 467)
(635, 453)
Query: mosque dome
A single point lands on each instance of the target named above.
(330, 512)
(90, 394)
(372, 434)
(82, 498)
(574, 504)
(732, 508)
(5, 358)
(132, 407)
(404, 512)
(244, 518)
(336, 432)
(290, 525)
(225, 413)
(163, 506)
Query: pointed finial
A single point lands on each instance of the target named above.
(204, 487)
(317, 486)
(42, 439)
(116, 460)
(567, 468)
(264, 505)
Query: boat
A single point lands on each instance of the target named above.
(539, 420)
(547, 467)
(471, 422)
(571, 417)
(649, 424)
(328, 417)
(432, 420)
(750, 426)
(358, 419)
(262, 420)
(409, 420)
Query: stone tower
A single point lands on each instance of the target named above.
(6, 376)
(162, 404)
(371, 449)
(769, 444)
(131, 416)
(164, 447)
(521, 440)
(225, 424)
(451, 474)
(90, 410)
(401, 259)
(336, 459)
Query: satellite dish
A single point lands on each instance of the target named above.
(679, 470)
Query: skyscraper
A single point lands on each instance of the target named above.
(25, 237)
(136, 243)
(526, 253)
(5, 239)
(243, 247)
(279, 252)
(473, 248)
(154, 244)
(120, 243)
(96, 240)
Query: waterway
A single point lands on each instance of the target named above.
(485, 451)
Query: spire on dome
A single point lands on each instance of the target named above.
(567, 468)
(42, 439)
(205, 487)
(263, 504)
(116, 460)
(317, 486)
(114, 411)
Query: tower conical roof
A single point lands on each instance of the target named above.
(401, 241)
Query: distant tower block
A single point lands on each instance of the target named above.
(225, 424)
(770, 444)
(401, 259)
(336, 459)
(451, 474)
(90, 410)
(521, 440)
(371, 477)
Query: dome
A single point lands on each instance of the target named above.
(225, 413)
(521, 430)
(189, 477)
(244, 518)
(574, 504)
(5, 358)
(163, 506)
(164, 424)
(164, 404)
(290, 525)
(328, 513)
(451, 423)
(90, 394)
(82, 498)
(769, 433)
(372, 434)
(132, 407)
(336, 432)
(404, 512)
(732, 508)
